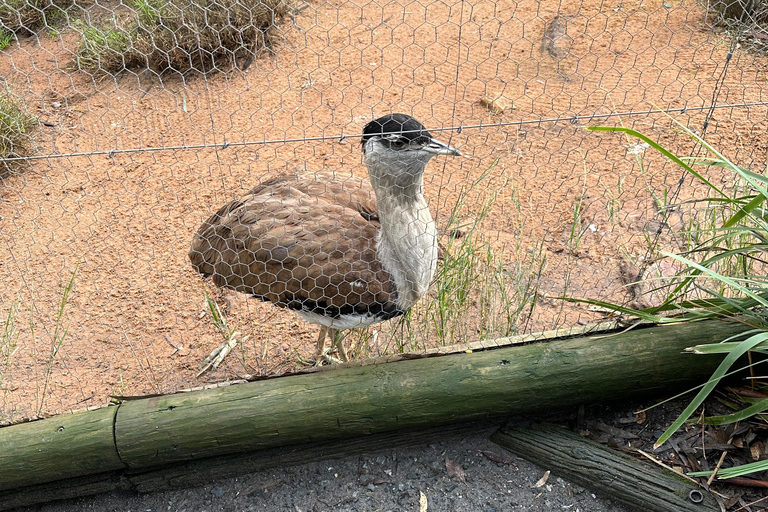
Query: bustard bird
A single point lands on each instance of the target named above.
(319, 244)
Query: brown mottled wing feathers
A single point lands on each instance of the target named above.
(303, 242)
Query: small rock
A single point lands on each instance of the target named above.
(496, 103)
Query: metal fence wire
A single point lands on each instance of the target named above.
(135, 121)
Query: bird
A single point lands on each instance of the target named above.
(340, 251)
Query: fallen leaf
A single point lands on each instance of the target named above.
(542, 480)
(455, 471)
(498, 458)
(422, 502)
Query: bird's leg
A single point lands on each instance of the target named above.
(338, 342)
(321, 342)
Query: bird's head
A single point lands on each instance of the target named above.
(399, 145)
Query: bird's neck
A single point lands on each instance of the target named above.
(407, 240)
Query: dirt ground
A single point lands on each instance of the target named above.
(401, 477)
(570, 207)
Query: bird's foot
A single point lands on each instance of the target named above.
(320, 358)
(214, 359)
(328, 358)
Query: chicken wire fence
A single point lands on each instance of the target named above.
(140, 119)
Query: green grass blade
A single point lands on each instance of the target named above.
(727, 280)
(758, 407)
(744, 212)
(658, 147)
(744, 469)
(640, 313)
(723, 348)
(742, 348)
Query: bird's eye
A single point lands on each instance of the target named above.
(398, 143)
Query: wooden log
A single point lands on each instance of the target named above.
(201, 472)
(66, 446)
(639, 485)
(414, 394)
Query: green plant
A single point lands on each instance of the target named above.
(722, 270)
(473, 280)
(101, 48)
(178, 35)
(16, 125)
(231, 336)
(148, 12)
(8, 342)
(30, 15)
(5, 39)
(60, 331)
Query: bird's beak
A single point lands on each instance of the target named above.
(440, 148)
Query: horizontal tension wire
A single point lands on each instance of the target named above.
(572, 119)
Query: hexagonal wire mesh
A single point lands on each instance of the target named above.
(151, 115)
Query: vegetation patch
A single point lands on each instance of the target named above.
(745, 20)
(179, 35)
(30, 15)
(16, 125)
(722, 276)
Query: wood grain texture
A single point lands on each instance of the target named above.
(636, 484)
(65, 446)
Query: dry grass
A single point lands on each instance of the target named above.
(16, 125)
(744, 11)
(745, 20)
(179, 35)
(30, 15)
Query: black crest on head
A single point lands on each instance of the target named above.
(400, 124)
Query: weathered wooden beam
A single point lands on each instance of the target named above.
(204, 471)
(414, 394)
(639, 485)
(64, 446)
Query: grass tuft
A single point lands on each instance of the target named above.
(30, 15)
(230, 335)
(476, 295)
(16, 126)
(8, 348)
(722, 264)
(6, 37)
(180, 35)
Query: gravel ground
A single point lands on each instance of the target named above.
(397, 479)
